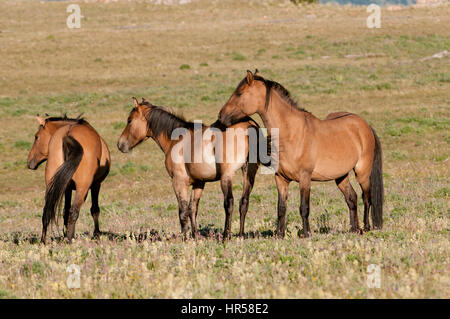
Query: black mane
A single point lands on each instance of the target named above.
(77, 120)
(159, 120)
(281, 90)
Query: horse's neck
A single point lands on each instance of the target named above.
(164, 142)
(282, 116)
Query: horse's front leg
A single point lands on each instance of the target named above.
(282, 187)
(228, 203)
(180, 187)
(248, 173)
(305, 188)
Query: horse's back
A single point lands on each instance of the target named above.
(346, 120)
(232, 154)
(91, 144)
(335, 115)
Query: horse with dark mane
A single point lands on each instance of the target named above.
(77, 159)
(190, 163)
(311, 149)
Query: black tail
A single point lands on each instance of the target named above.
(73, 152)
(376, 185)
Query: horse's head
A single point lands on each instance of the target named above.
(246, 100)
(136, 130)
(39, 150)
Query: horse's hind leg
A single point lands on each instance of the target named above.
(228, 203)
(196, 193)
(95, 209)
(67, 203)
(44, 230)
(362, 172)
(80, 197)
(346, 188)
(366, 200)
(364, 182)
(248, 172)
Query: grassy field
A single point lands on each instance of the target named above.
(190, 58)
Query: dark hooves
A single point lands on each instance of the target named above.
(302, 234)
(358, 231)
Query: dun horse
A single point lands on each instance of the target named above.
(77, 159)
(311, 149)
(147, 120)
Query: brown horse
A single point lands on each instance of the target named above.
(147, 120)
(77, 159)
(311, 149)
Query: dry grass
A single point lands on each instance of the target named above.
(137, 49)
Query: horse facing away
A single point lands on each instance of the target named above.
(311, 149)
(77, 159)
(147, 120)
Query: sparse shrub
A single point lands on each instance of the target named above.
(128, 168)
(238, 57)
(297, 2)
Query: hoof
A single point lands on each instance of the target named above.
(303, 234)
(358, 231)
(279, 234)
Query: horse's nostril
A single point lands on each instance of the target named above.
(122, 147)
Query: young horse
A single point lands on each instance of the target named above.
(147, 120)
(311, 149)
(77, 159)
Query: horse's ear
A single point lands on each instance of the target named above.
(249, 77)
(256, 72)
(143, 101)
(40, 120)
(135, 102)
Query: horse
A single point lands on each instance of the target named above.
(77, 159)
(311, 149)
(147, 120)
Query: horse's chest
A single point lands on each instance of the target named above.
(288, 170)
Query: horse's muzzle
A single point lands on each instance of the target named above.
(123, 147)
(225, 120)
(32, 165)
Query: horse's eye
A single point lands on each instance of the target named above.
(129, 121)
(35, 137)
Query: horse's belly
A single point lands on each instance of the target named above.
(202, 171)
(330, 170)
